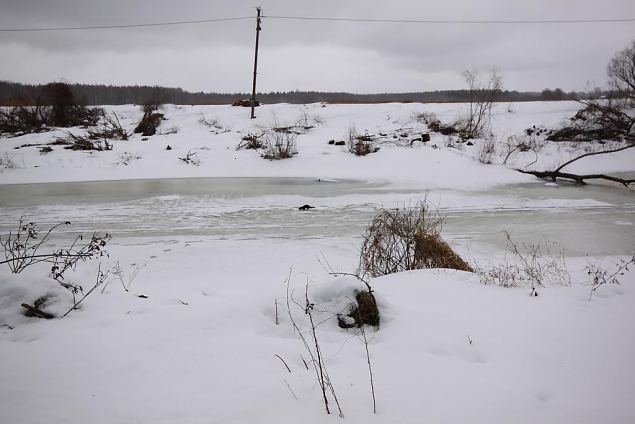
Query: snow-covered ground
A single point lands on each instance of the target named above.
(213, 262)
(419, 166)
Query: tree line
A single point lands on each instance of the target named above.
(14, 93)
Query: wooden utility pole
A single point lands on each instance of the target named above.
(253, 90)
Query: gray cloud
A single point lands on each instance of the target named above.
(360, 57)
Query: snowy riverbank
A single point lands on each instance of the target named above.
(210, 258)
(422, 165)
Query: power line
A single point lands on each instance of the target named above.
(151, 24)
(461, 22)
(321, 18)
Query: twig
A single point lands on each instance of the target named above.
(99, 281)
(285, 364)
(289, 387)
(37, 312)
(370, 368)
(276, 309)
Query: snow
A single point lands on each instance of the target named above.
(201, 345)
(419, 166)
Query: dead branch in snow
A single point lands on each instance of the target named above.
(580, 178)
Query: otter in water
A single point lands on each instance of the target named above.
(306, 207)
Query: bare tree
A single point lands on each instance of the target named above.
(610, 119)
(482, 97)
(621, 72)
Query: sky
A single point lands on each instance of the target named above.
(360, 57)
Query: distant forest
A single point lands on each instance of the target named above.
(12, 93)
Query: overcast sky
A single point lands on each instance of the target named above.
(313, 55)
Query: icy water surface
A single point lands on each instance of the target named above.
(584, 220)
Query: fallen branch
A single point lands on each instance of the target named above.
(579, 178)
(628, 146)
(37, 312)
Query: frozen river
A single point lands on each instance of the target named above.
(595, 220)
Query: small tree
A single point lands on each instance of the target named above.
(61, 99)
(482, 97)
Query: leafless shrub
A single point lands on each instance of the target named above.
(449, 141)
(434, 124)
(111, 129)
(279, 145)
(82, 142)
(487, 150)
(64, 108)
(210, 122)
(526, 143)
(78, 290)
(120, 275)
(304, 120)
(511, 145)
(482, 97)
(23, 249)
(250, 141)
(531, 264)
(311, 343)
(360, 144)
(308, 121)
(126, 158)
(404, 239)
(191, 158)
(600, 275)
(23, 119)
(55, 106)
(7, 162)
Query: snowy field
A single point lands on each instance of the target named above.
(211, 257)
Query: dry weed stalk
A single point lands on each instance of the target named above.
(532, 264)
(406, 238)
(601, 275)
(312, 347)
